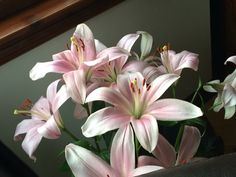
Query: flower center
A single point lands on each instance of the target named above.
(25, 110)
(80, 47)
(164, 51)
(108, 72)
(139, 90)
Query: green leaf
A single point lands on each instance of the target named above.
(98, 105)
(197, 90)
(196, 121)
(85, 144)
(105, 155)
(65, 167)
(82, 143)
(107, 137)
(167, 123)
(179, 137)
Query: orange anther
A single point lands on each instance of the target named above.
(132, 87)
(144, 81)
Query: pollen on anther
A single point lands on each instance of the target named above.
(139, 91)
(26, 105)
(148, 87)
(67, 46)
(132, 86)
(144, 81)
(100, 70)
(82, 44)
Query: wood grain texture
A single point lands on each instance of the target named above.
(10, 7)
(43, 21)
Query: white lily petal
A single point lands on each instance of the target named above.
(146, 130)
(165, 152)
(99, 46)
(231, 59)
(159, 86)
(41, 109)
(76, 85)
(229, 112)
(31, 142)
(24, 126)
(123, 150)
(229, 96)
(50, 129)
(230, 78)
(52, 90)
(209, 86)
(85, 35)
(144, 160)
(104, 120)
(108, 95)
(79, 159)
(146, 44)
(174, 110)
(145, 169)
(190, 142)
(127, 41)
(80, 112)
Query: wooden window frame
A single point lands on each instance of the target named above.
(42, 21)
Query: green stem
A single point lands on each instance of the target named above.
(178, 138)
(97, 144)
(173, 91)
(197, 90)
(86, 106)
(70, 134)
(202, 103)
(137, 147)
(194, 96)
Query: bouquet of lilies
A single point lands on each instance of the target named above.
(119, 93)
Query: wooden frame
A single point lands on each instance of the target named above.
(42, 21)
(223, 36)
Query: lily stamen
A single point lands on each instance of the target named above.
(144, 81)
(148, 87)
(26, 105)
(139, 91)
(22, 112)
(30, 113)
(132, 87)
(81, 44)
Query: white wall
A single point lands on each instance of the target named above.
(183, 23)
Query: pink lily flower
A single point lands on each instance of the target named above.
(137, 103)
(122, 159)
(45, 119)
(165, 154)
(82, 55)
(173, 63)
(77, 85)
(78, 89)
(226, 92)
(108, 72)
